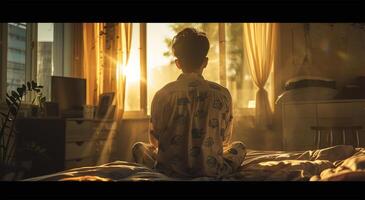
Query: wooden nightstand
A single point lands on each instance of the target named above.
(68, 143)
(88, 142)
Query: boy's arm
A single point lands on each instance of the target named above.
(155, 122)
(153, 138)
(228, 122)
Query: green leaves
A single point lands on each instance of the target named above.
(43, 99)
(16, 95)
(13, 101)
(34, 84)
(20, 92)
(29, 86)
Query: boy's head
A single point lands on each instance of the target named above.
(190, 47)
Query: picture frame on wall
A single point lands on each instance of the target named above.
(105, 109)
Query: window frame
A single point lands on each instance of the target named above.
(142, 113)
(4, 55)
(30, 59)
(62, 36)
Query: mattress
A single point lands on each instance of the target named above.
(338, 163)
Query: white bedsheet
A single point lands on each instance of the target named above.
(316, 165)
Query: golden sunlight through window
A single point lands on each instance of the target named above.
(161, 68)
(132, 73)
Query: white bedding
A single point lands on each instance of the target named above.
(335, 163)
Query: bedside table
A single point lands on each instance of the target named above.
(88, 142)
(68, 143)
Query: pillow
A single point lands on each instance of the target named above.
(309, 81)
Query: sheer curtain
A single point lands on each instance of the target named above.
(106, 48)
(92, 60)
(124, 31)
(260, 41)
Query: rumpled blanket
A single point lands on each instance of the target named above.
(337, 163)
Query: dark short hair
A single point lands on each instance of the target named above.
(190, 47)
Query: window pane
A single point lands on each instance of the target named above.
(45, 57)
(211, 72)
(132, 72)
(239, 80)
(161, 68)
(17, 40)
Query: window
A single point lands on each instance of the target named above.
(16, 55)
(23, 63)
(45, 67)
(161, 68)
(239, 80)
(132, 72)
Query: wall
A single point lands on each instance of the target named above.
(130, 131)
(337, 52)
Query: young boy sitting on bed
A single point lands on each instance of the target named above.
(191, 119)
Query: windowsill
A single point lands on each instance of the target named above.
(135, 115)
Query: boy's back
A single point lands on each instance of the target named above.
(191, 118)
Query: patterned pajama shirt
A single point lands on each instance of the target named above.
(190, 130)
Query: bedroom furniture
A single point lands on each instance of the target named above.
(68, 143)
(298, 117)
(344, 131)
(88, 142)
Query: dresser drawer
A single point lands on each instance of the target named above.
(79, 129)
(105, 125)
(300, 111)
(106, 134)
(81, 162)
(345, 110)
(80, 149)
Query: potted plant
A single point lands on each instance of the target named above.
(10, 169)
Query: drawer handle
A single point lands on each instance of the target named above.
(78, 160)
(79, 121)
(79, 143)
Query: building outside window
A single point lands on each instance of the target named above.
(45, 67)
(16, 55)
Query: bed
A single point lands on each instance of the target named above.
(337, 163)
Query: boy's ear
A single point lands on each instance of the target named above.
(205, 62)
(177, 63)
